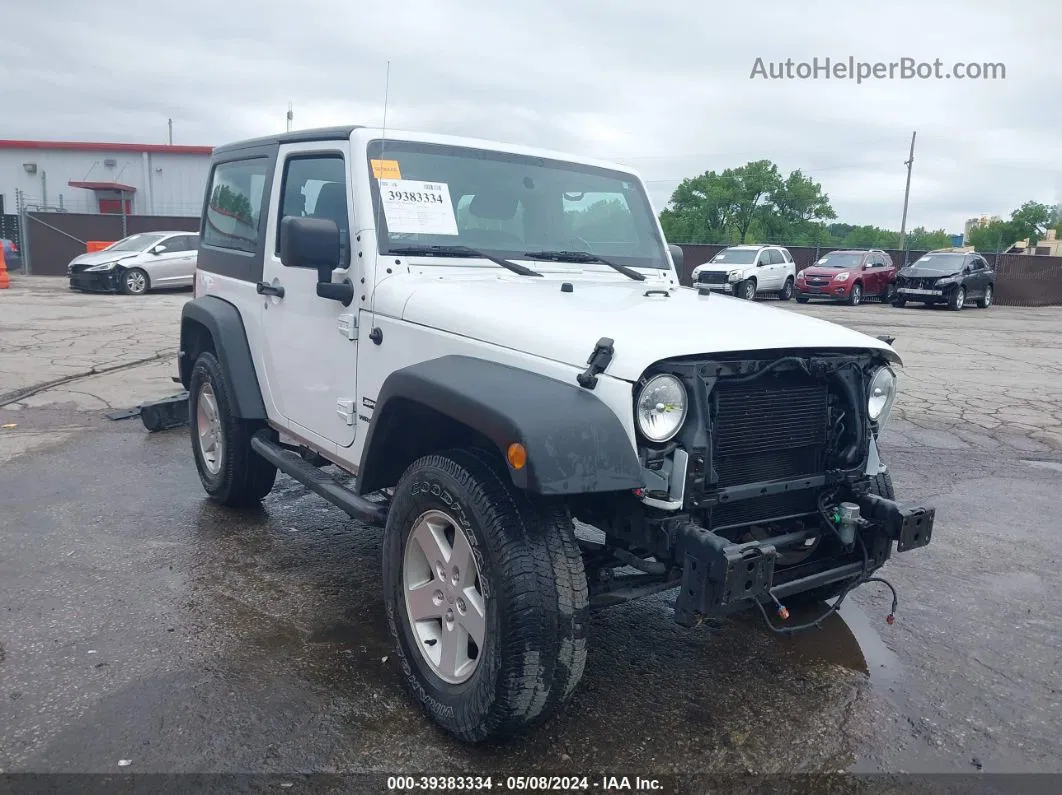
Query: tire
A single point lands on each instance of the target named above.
(957, 299)
(230, 471)
(801, 299)
(747, 289)
(531, 586)
(986, 300)
(899, 302)
(855, 295)
(882, 486)
(787, 291)
(135, 282)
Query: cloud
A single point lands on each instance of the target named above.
(664, 87)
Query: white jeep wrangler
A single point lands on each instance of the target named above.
(493, 341)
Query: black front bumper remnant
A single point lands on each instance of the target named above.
(720, 576)
(97, 282)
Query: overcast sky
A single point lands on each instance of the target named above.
(662, 86)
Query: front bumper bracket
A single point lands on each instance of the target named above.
(718, 575)
(911, 527)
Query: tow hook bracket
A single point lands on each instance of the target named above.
(718, 575)
(596, 364)
(916, 529)
(911, 527)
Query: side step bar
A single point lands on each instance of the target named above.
(321, 483)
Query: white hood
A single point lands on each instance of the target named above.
(533, 315)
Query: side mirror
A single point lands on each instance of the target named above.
(310, 243)
(678, 256)
(158, 249)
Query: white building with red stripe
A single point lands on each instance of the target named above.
(88, 177)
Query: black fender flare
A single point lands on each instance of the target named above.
(223, 323)
(575, 443)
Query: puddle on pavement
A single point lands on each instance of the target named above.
(1055, 466)
(847, 638)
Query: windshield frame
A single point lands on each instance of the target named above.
(637, 199)
(159, 237)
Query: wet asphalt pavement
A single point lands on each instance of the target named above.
(139, 621)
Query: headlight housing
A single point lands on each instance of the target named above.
(842, 276)
(103, 266)
(881, 395)
(661, 408)
(734, 276)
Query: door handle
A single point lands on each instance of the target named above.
(265, 288)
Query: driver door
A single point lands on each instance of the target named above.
(311, 345)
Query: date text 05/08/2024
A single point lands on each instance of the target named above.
(522, 783)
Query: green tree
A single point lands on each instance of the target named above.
(701, 209)
(992, 236)
(753, 186)
(1032, 220)
(796, 209)
(920, 239)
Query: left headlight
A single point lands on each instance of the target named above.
(661, 408)
(841, 277)
(881, 395)
(103, 266)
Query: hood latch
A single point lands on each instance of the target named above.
(598, 361)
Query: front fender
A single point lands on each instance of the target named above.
(575, 443)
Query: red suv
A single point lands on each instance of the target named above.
(848, 276)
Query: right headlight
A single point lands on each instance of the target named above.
(881, 396)
(661, 408)
(734, 276)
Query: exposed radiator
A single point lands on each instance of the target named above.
(773, 428)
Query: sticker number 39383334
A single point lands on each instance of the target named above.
(416, 207)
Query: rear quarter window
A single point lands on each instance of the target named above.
(233, 210)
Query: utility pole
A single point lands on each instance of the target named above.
(291, 116)
(170, 125)
(907, 195)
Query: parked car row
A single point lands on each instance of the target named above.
(850, 276)
(138, 263)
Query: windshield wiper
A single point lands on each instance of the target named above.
(461, 251)
(585, 257)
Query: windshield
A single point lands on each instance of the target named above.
(940, 263)
(135, 243)
(839, 261)
(736, 256)
(509, 205)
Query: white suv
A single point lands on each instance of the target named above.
(493, 341)
(746, 271)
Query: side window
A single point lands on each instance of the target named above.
(875, 261)
(193, 242)
(232, 214)
(979, 264)
(788, 257)
(764, 258)
(176, 244)
(315, 186)
(776, 257)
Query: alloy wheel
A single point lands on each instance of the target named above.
(444, 603)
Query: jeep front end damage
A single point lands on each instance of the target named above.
(771, 488)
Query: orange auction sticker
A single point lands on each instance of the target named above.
(386, 169)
